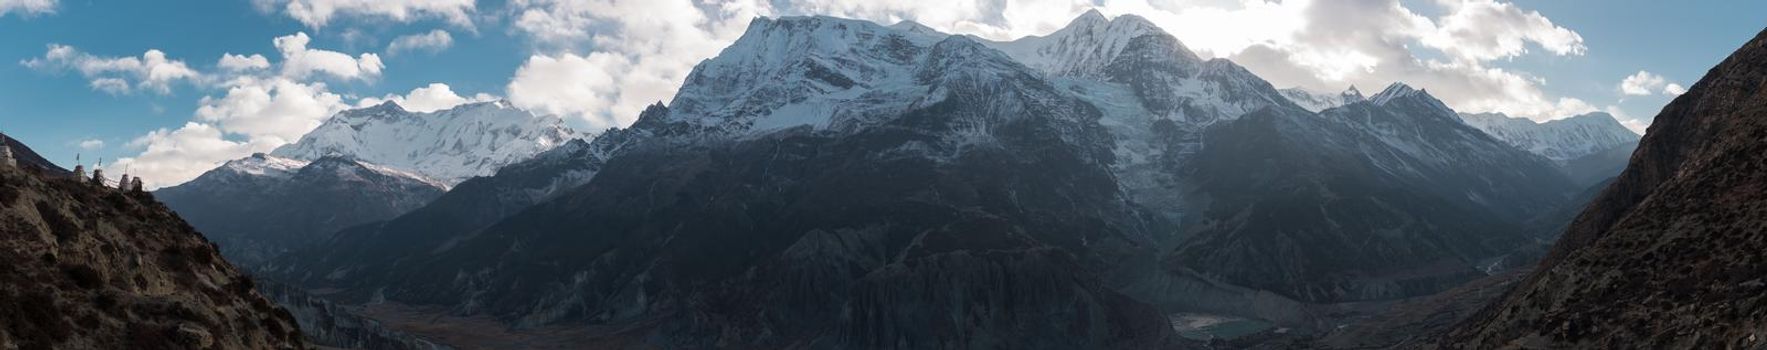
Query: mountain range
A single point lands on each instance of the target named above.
(360, 166)
(1103, 173)
(449, 145)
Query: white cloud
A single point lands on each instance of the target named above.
(258, 110)
(1327, 46)
(1482, 30)
(256, 114)
(27, 7)
(435, 97)
(171, 157)
(1673, 89)
(1642, 84)
(152, 71)
(90, 144)
(571, 85)
(604, 60)
(434, 41)
(318, 13)
(273, 109)
(300, 62)
(242, 63)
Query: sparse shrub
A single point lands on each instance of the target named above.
(83, 276)
(35, 318)
(60, 225)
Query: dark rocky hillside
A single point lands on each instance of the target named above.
(88, 267)
(1670, 255)
(1376, 200)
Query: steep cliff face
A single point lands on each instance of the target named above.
(1669, 255)
(94, 268)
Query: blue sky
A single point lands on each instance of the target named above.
(599, 61)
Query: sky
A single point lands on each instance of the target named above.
(169, 89)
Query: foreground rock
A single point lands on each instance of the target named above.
(1669, 256)
(94, 268)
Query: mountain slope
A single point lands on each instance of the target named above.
(1599, 166)
(261, 206)
(1668, 256)
(29, 158)
(449, 145)
(371, 254)
(1374, 200)
(94, 268)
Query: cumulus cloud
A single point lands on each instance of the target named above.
(603, 61)
(152, 71)
(262, 105)
(1376, 42)
(1674, 89)
(242, 63)
(273, 109)
(1481, 30)
(1642, 84)
(318, 13)
(434, 41)
(89, 144)
(435, 97)
(567, 84)
(300, 62)
(27, 7)
(173, 156)
(256, 114)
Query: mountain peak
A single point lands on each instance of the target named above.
(260, 164)
(1353, 94)
(1396, 91)
(387, 106)
(914, 27)
(1091, 15)
(451, 145)
(1399, 92)
(1090, 43)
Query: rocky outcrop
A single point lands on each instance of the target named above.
(95, 268)
(329, 324)
(1669, 256)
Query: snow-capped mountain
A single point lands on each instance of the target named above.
(1561, 139)
(449, 145)
(1087, 46)
(858, 164)
(1169, 80)
(1316, 102)
(260, 206)
(261, 165)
